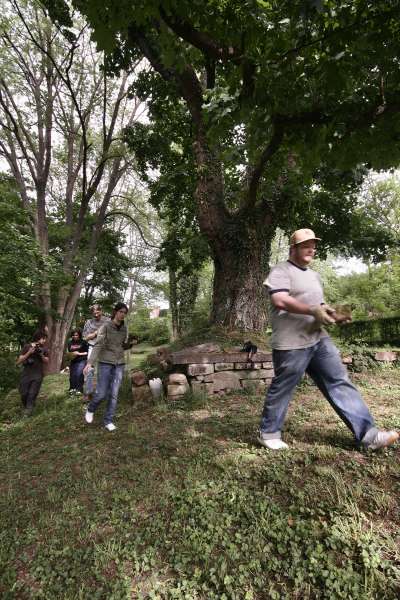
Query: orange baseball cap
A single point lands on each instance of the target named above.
(302, 235)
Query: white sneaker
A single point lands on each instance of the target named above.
(274, 444)
(89, 416)
(382, 439)
(110, 427)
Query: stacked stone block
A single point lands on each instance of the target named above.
(219, 372)
(140, 387)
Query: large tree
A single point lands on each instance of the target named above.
(282, 102)
(61, 118)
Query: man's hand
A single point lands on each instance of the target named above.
(86, 368)
(91, 336)
(323, 314)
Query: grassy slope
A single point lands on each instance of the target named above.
(181, 503)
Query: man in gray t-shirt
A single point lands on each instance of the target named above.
(301, 345)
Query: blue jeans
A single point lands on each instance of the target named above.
(109, 379)
(76, 375)
(323, 364)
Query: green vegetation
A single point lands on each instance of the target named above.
(180, 503)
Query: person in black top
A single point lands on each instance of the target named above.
(33, 357)
(78, 353)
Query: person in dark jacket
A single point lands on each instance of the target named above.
(109, 351)
(33, 358)
(77, 352)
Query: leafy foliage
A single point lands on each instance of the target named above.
(269, 113)
(21, 269)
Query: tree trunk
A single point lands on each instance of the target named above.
(240, 244)
(57, 344)
(241, 261)
(188, 287)
(173, 302)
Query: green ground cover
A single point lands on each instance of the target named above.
(181, 503)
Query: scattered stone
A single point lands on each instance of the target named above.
(224, 380)
(202, 369)
(178, 378)
(347, 360)
(208, 347)
(177, 390)
(385, 356)
(142, 394)
(138, 378)
(255, 374)
(224, 366)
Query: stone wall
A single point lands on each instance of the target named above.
(218, 372)
(205, 368)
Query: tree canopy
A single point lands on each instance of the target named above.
(61, 122)
(283, 106)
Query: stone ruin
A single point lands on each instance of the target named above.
(207, 369)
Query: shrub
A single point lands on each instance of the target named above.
(159, 332)
(10, 373)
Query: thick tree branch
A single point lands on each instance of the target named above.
(200, 40)
(259, 168)
(137, 37)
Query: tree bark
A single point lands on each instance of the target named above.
(188, 287)
(240, 244)
(173, 303)
(241, 262)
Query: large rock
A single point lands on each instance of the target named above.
(142, 394)
(138, 378)
(178, 378)
(255, 374)
(187, 357)
(202, 388)
(177, 390)
(386, 356)
(224, 380)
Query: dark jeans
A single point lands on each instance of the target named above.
(323, 364)
(109, 379)
(76, 375)
(29, 390)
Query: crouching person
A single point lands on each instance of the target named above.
(112, 341)
(33, 357)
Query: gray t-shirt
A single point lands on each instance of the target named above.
(93, 325)
(291, 331)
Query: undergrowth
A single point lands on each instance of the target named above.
(180, 502)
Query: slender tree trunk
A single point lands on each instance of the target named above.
(188, 287)
(173, 302)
